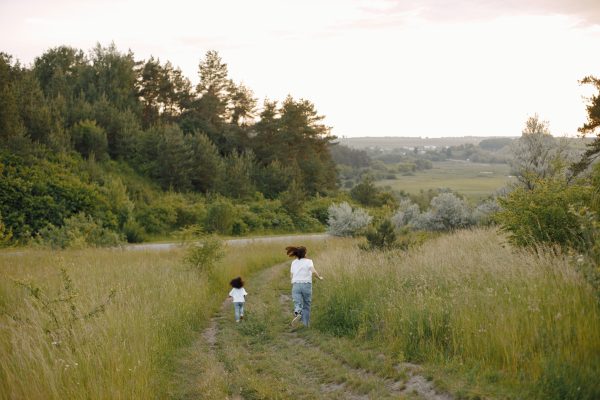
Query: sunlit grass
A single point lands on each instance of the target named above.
(474, 180)
(124, 352)
(514, 322)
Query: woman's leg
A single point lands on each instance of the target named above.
(242, 310)
(307, 301)
(297, 297)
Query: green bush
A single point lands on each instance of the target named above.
(158, 217)
(542, 215)
(319, 209)
(5, 234)
(220, 216)
(203, 254)
(134, 233)
(79, 231)
(382, 238)
(239, 228)
(35, 193)
(89, 139)
(568, 381)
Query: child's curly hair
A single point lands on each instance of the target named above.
(293, 251)
(237, 283)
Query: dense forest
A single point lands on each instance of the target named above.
(115, 147)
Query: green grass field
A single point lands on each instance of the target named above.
(475, 181)
(477, 317)
(61, 339)
(484, 319)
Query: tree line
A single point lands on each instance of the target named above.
(106, 107)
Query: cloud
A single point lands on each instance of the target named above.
(211, 42)
(384, 13)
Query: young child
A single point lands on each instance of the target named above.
(238, 294)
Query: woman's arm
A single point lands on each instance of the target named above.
(314, 271)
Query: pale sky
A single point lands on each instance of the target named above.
(373, 68)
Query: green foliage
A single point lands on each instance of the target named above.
(367, 194)
(293, 199)
(133, 231)
(381, 238)
(78, 231)
(89, 139)
(169, 157)
(99, 132)
(11, 123)
(348, 156)
(269, 216)
(207, 165)
(542, 215)
(35, 193)
(164, 91)
(591, 126)
(204, 253)
(272, 179)
(118, 203)
(169, 211)
(237, 182)
(5, 234)
(318, 208)
(220, 216)
(495, 144)
(294, 135)
(562, 380)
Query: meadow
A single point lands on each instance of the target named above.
(486, 320)
(478, 317)
(474, 180)
(106, 323)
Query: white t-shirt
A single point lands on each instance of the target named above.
(238, 295)
(302, 270)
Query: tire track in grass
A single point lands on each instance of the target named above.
(199, 373)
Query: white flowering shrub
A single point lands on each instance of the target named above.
(482, 215)
(344, 221)
(449, 212)
(406, 214)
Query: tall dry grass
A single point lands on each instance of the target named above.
(470, 302)
(122, 352)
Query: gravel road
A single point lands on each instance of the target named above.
(291, 239)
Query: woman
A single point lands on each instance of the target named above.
(302, 270)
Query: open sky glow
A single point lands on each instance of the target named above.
(373, 68)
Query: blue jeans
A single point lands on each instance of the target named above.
(302, 296)
(238, 309)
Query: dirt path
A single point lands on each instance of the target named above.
(264, 358)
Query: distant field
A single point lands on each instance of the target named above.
(398, 142)
(474, 180)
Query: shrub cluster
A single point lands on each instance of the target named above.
(345, 221)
